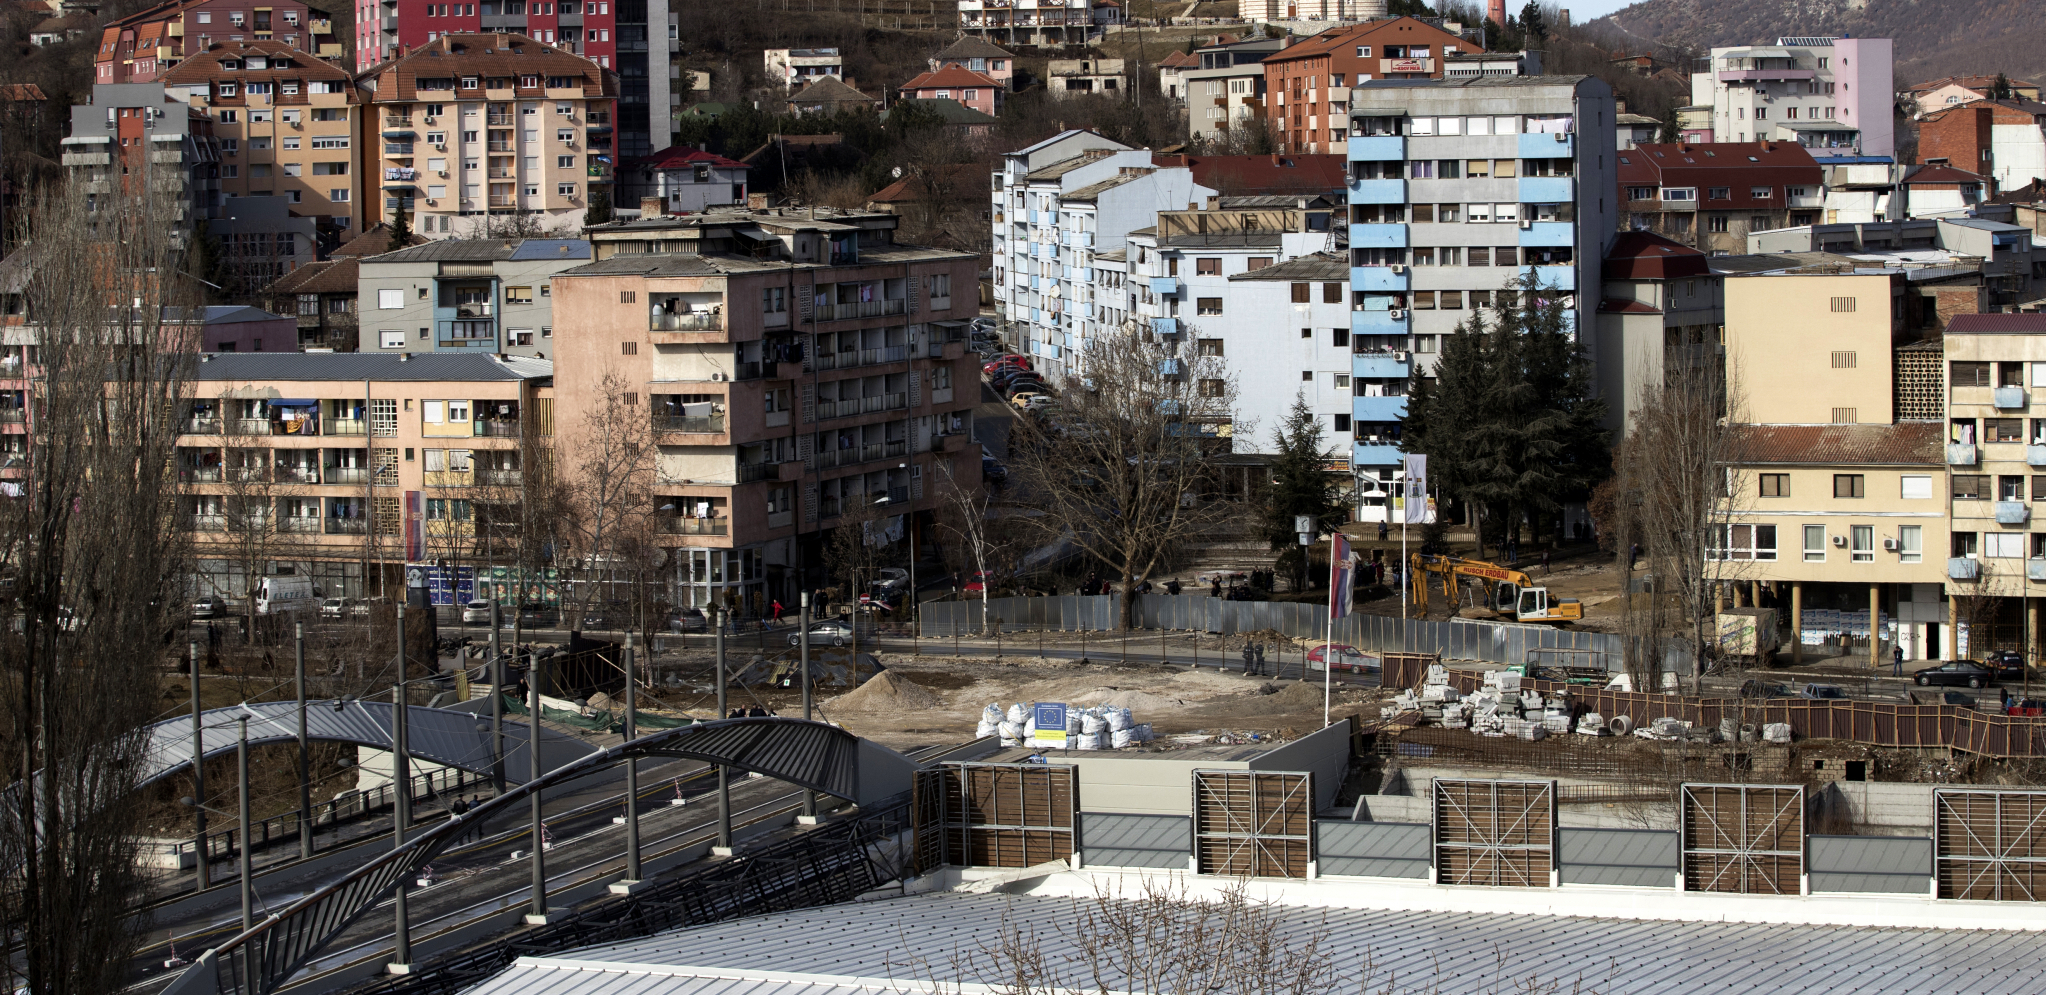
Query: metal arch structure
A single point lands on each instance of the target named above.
(436, 735)
(807, 754)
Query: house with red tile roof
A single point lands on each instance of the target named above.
(1171, 73)
(1712, 196)
(980, 56)
(969, 88)
(689, 180)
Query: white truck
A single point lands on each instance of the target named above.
(275, 595)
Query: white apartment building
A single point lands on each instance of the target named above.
(795, 68)
(1831, 95)
(1036, 23)
(1459, 189)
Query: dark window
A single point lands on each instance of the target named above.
(1303, 293)
(1775, 485)
(1847, 485)
(1968, 374)
(1342, 423)
(2003, 430)
(1969, 486)
(1331, 293)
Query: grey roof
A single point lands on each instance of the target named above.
(905, 944)
(666, 264)
(445, 737)
(1094, 190)
(1319, 266)
(1061, 168)
(1278, 200)
(970, 47)
(1061, 136)
(1222, 240)
(485, 250)
(1981, 224)
(309, 366)
(1480, 81)
(233, 314)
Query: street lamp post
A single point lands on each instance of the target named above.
(198, 775)
(496, 703)
(401, 809)
(537, 914)
(809, 816)
(718, 615)
(305, 756)
(199, 808)
(632, 868)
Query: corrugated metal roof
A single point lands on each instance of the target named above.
(552, 248)
(1318, 266)
(423, 366)
(449, 738)
(910, 942)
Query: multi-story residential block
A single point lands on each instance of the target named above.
(795, 68)
(1995, 258)
(650, 82)
(1712, 196)
(1037, 23)
(1307, 84)
(1635, 129)
(1284, 331)
(286, 123)
(2003, 140)
(481, 125)
(1461, 192)
(129, 128)
(1228, 89)
(345, 467)
(144, 45)
(461, 295)
(969, 88)
(322, 294)
(798, 370)
(389, 29)
(1839, 493)
(1995, 452)
(1823, 93)
(977, 55)
(1660, 308)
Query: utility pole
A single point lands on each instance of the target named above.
(537, 914)
(724, 844)
(198, 773)
(809, 816)
(305, 756)
(401, 809)
(496, 703)
(241, 756)
(632, 870)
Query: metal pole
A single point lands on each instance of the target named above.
(496, 704)
(241, 756)
(632, 874)
(198, 773)
(718, 615)
(305, 756)
(401, 808)
(803, 620)
(537, 914)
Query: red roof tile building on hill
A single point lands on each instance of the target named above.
(1307, 84)
(139, 48)
(980, 56)
(970, 88)
(1711, 196)
(689, 180)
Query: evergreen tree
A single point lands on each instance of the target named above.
(1301, 485)
(1532, 26)
(2000, 90)
(401, 232)
(599, 211)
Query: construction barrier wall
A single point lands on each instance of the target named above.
(1632, 858)
(1116, 839)
(1451, 639)
(1372, 849)
(1892, 865)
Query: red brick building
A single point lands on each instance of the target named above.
(140, 47)
(2002, 140)
(1306, 85)
(1712, 196)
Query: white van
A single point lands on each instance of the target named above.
(285, 594)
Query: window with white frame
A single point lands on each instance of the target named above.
(1815, 543)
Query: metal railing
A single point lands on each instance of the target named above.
(202, 426)
(826, 409)
(896, 447)
(691, 321)
(252, 426)
(199, 474)
(206, 523)
(497, 429)
(695, 526)
(346, 474)
(859, 309)
(870, 452)
(347, 526)
(710, 424)
(750, 472)
(298, 475)
(899, 399)
(347, 426)
(13, 416)
(296, 524)
(499, 478)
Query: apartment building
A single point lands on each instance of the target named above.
(286, 124)
(322, 293)
(1037, 23)
(1838, 496)
(1308, 83)
(132, 127)
(799, 370)
(386, 30)
(466, 295)
(1459, 191)
(1661, 308)
(345, 467)
(978, 56)
(1832, 95)
(481, 125)
(1712, 196)
(142, 46)
(795, 68)
(2003, 140)
(1228, 89)
(1996, 449)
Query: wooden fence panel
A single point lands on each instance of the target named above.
(1990, 845)
(1253, 823)
(1743, 838)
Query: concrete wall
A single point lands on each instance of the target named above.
(1638, 858)
(1325, 754)
(1875, 864)
(1789, 378)
(1141, 786)
(1372, 849)
(1110, 839)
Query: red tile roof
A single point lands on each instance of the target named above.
(1997, 324)
(678, 156)
(1262, 175)
(1734, 165)
(1179, 59)
(950, 77)
(1902, 444)
(1942, 174)
(1640, 255)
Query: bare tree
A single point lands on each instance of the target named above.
(94, 561)
(977, 546)
(1126, 473)
(607, 480)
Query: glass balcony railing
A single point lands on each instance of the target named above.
(346, 474)
(707, 424)
(696, 526)
(694, 321)
(347, 526)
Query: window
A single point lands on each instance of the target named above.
(1917, 487)
(1342, 423)
(1303, 293)
(1306, 376)
(1332, 293)
(1208, 305)
(2010, 488)
(565, 189)
(1959, 375)
(1845, 360)
(1775, 484)
(518, 295)
(564, 161)
(1863, 543)
(390, 340)
(1339, 337)
(1848, 485)
(1815, 543)
(1204, 266)
(1970, 486)
(1718, 193)
(1761, 193)
(1680, 193)
(1843, 304)
(774, 300)
(1742, 542)
(1716, 223)
(1214, 388)
(338, 195)
(2003, 545)
(1342, 381)
(1911, 543)
(1258, 263)
(2003, 430)
(388, 300)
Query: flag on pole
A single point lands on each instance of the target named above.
(1342, 567)
(1415, 488)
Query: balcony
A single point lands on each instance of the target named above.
(1964, 568)
(1377, 148)
(859, 309)
(755, 472)
(1756, 75)
(504, 202)
(951, 442)
(1547, 234)
(2013, 513)
(1378, 409)
(691, 321)
(252, 426)
(696, 526)
(202, 426)
(698, 424)
(1378, 191)
(499, 478)
(1551, 277)
(2035, 568)
(2035, 455)
(298, 525)
(1380, 365)
(497, 429)
(884, 354)
(205, 523)
(1165, 286)
(346, 474)
(1378, 236)
(13, 416)
(1380, 278)
(2010, 398)
(1375, 454)
(1960, 454)
(1548, 145)
(1165, 326)
(199, 475)
(298, 474)
(1378, 321)
(347, 526)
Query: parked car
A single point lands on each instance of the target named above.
(531, 615)
(1752, 688)
(1822, 692)
(1005, 361)
(1956, 698)
(687, 620)
(1008, 384)
(359, 606)
(2008, 664)
(891, 579)
(476, 613)
(992, 470)
(2024, 706)
(830, 631)
(1022, 398)
(210, 606)
(1346, 658)
(978, 582)
(334, 608)
(1966, 672)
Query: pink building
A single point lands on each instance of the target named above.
(980, 56)
(953, 83)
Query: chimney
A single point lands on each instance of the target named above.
(1619, 105)
(650, 207)
(404, 357)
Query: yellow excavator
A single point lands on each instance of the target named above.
(1514, 594)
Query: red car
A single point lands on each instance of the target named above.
(979, 581)
(1000, 363)
(1347, 658)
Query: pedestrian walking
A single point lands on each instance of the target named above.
(1261, 659)
(1382, 530)
(777, 611)
(1633, 555)
(1897, 660)
(1249, 660)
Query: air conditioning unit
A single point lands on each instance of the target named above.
(443, 174)
(1400, 354)
(1839, 540)
(570, 142)
(1397, 314)
(300, 125)
(430, 202)
(1399, 267)
(1889, 545)
(1526, 223)
(429, 119)
(718, 377)
(1561, 138)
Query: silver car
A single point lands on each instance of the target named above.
(476, 612)
(832, 632)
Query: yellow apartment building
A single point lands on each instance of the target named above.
(1996, 457)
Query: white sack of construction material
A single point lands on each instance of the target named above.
(1017, 714)
(1776, 732)
(1121, 738)
(1088, 741)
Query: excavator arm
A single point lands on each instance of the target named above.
(1516, 603)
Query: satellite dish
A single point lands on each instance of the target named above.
(896, 172)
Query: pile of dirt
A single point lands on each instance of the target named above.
(887, 692)
(1139, 702)
(1293, 696)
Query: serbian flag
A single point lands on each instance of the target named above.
(1342, 567)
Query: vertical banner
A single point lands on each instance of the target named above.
(1342, 565)
(1414, 490)
(415, 527)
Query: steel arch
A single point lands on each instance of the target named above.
(436, 735)
(808, 754)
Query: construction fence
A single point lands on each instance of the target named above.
(1450, 639)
